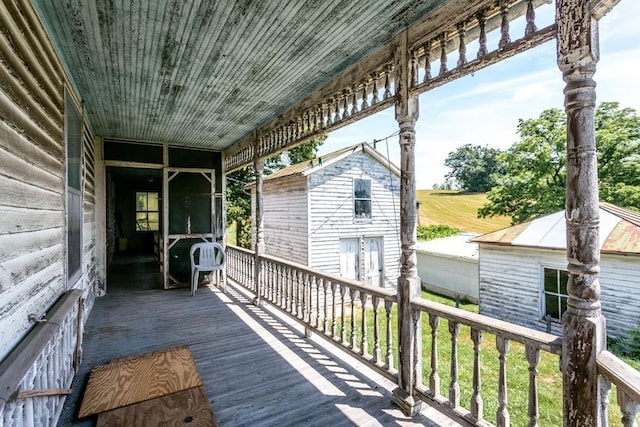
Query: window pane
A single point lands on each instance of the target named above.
(362, 209)
(564, 279)
(551, 306)
(141, 201)
(154, 221)
(550, 280)
(362, 189)
(141, 222)
(563, 305)
(152, 202)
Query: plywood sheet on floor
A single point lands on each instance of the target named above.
(189, 407)
(136, 379)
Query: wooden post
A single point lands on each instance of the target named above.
(409, 333)
(583, 326)
(258, 167)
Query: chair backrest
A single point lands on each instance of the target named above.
(210, 254)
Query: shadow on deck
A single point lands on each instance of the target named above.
(257, 368)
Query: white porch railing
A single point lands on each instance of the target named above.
(358, 318)
(348, 313)
(36, 376)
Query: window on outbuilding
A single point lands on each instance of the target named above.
(362, 198)
(147, 214)
(554, 292)
(73, 145)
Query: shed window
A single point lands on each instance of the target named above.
(555, 292)
(147, 215)
(362, 198)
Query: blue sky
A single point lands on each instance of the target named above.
(484, 108)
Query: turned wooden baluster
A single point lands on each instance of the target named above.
(502, 417)
(434, 378)
(427, 62)
(345, 105)
(629, 409)
(283, 285)
(533, 357)
(297, 306)
(336, 117)
(319, 307)
(354, 100)
(306, 303)
(343, 325)
(388, 359)
(375, 301)
(326, 286)
(443, 53)
(477, 408)
(365, 103)
(352, 295)
(505, 39)
(309, 299)
(482, 39)
(334, 318)
(414, 67)
(364, 346)
(320, 114)
(531, 19)
(329, 119)
(462, 48)
(374, 89)
(454, 386)
(387, 82)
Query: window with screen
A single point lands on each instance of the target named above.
(73, 146)
(362, 198)
(147, 214)
(555, 292)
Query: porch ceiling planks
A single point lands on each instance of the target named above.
(207, 74)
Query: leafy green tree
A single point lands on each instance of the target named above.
(534, 180)
(473, 167)
(239, 198)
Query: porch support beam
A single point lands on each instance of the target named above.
(258, 168)
(583, 326)
(409, 328)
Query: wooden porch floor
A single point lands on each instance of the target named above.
(258, 369)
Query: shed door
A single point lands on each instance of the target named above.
(350, 258)
(373, 261)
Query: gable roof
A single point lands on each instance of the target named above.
(619, 232)
(312, 166)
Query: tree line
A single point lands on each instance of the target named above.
(529, 178)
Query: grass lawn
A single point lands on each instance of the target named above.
(457, 209)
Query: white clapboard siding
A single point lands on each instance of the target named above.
(32, 176)
(31, 179)
(510, 287)
(331, 213)
(285, 219)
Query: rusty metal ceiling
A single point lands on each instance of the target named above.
(207, 73)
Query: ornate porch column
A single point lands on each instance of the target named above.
(409, 327)
(258, 167)
(583, 326)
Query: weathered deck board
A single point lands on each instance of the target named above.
(256, 368)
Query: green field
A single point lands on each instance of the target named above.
(457, 209)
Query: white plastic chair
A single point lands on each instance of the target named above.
(210, 258)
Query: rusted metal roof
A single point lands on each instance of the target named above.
(619, 232)
(207, 73)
